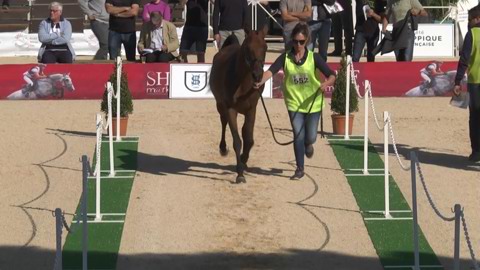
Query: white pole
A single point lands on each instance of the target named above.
(119, 80)
(110, 129)
(98, 216)
(385, 153)
(365, 139)
(347, 106)
(85, 171)
(413, 170)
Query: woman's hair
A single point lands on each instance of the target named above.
(474, 12)
(55, 5)
(300, 28)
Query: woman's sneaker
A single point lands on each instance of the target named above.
(309, 151)
(298, 174)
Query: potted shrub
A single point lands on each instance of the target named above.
(338, 102)
(126, 104)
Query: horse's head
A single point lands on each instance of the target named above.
(254, 50)
(67, 81)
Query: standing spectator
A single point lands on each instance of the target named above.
(159, 6)
(230, 17)
(122, 27)
(293, 12)
(301, 84)
(55, 33)
(6, 4)
(158, 39)
(470, 59)
(320, 26)
(195, 31)
(343, 27)
(366, 30)
(261, 18)
(98, 17)
(397, 11)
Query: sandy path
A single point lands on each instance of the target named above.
(184, 212)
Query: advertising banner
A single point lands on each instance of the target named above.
(191, 81)
(431, 40)
(156, 81)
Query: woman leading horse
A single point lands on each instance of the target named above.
(299, 90)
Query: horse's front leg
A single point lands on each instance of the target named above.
(237, 144)
(247, 135)
(224, 119)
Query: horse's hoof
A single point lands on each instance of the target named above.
(241, 179)
(223, 152)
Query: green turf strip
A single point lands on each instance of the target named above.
(104, 238)
(392, 239)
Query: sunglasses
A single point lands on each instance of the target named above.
(299, 42)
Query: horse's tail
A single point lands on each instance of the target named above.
(231, 40)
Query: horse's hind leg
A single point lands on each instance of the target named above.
(237, 144)
(247, 135)
(223, 118)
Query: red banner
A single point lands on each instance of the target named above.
(152, 81)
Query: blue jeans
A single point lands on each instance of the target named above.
(474, 116)
(305, 128)
(100, 30)
(115, 41)
(359, 43)
(406, 55)
(320, 32)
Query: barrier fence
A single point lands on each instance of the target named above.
(414, 167)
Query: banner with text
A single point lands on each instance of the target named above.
(159, 81)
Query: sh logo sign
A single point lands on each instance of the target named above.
(195, 81)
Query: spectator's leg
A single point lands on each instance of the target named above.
(474, 118)
(347, 25)
(371, 45)
(359, 44)
(223, 36)
(410, 45)
(337, 34)
(287, 40)
(314, 32)
(323, 38)
(130, 44)
(100, 30)
(64, 57)
(48, 57)
(201, 44)
(150, 58)
(165, 57)
(240, 34)
(114, 44)
(186, 42)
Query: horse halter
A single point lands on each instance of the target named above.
(251, 62)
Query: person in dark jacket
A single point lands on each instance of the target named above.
(366, 28)
(320, 27)
(470, 59)
(195, 31)
(343, 21)
(230, 17)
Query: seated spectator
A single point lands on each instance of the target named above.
(158, 6)
(55, 34)
(158, 40)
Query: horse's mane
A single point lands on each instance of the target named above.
(231, 40)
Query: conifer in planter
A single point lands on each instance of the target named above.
(338, 103)
(126, 104)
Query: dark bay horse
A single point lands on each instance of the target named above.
(235, 69)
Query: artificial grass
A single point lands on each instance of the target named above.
(392, 239)
(104, 238)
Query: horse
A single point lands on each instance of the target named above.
(235, 69)
(53, 85)
(441, 85)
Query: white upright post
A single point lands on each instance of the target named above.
(110, 129)
(98, 216)
(347, 106)
(119, 81)
(366, 96)
(387, 176)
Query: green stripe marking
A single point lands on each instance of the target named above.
(392, 239)
(104, 238)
